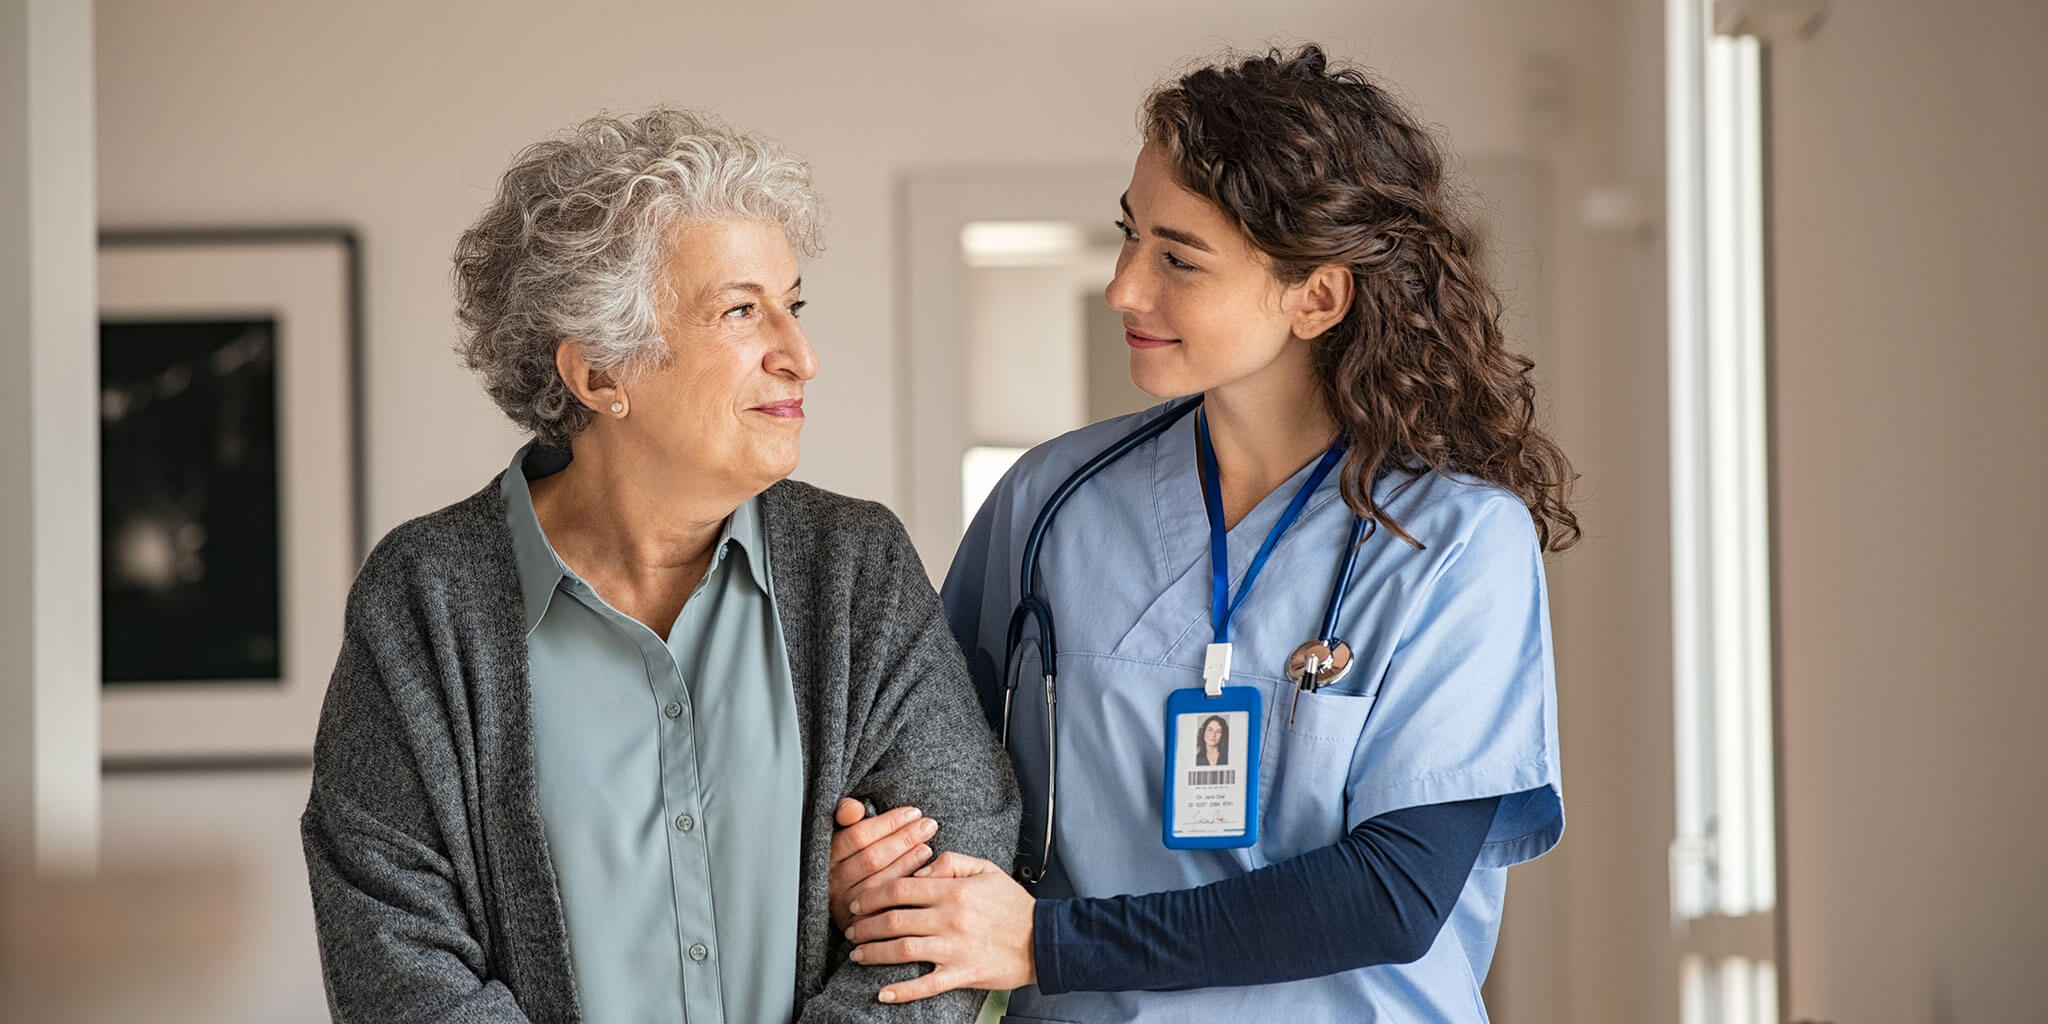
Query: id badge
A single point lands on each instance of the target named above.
(1211, 800)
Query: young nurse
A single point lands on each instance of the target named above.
(1331, 540)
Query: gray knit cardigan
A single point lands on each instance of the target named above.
(432, 889)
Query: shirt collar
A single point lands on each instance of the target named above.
(743, 528)
(541, 571)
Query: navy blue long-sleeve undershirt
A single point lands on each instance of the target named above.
(1379, 895)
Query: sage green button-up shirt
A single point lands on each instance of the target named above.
(670, 780)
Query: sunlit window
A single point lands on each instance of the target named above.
(1043, 353)
(980, 470)
(1723, 878)
(1727, 988)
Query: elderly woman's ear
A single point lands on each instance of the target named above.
(593, 387)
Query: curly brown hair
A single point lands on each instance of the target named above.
(1320, 166)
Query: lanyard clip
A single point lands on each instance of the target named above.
(1216, 669)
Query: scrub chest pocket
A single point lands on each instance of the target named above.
(1306, 771)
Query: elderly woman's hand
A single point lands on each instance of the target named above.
(867, 851)
(965, 916)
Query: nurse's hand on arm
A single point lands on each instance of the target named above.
(867, 851)
(1379, 895)
(965, 916)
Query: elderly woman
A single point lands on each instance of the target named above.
(581, 750)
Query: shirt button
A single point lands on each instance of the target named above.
(672, 708)
(685, 823)
(699, 951)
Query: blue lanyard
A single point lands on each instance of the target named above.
(1222, 608)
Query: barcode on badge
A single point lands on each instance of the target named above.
(1213, 777)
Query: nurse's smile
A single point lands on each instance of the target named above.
(1201, 309)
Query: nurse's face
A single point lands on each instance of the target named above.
(727, 409)
(1201, 309)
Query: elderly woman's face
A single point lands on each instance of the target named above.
(730, 403)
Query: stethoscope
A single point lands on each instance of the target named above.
(1313, 665)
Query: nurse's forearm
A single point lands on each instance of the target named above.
(1377, 896)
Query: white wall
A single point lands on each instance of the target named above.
(398, 117)
(1911, 245)
(49, 415)
(1586, 935)
(1025, 367)
(395, 118)
(237, 830)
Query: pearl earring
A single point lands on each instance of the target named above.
(618, 407)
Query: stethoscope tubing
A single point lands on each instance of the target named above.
(1034, 608)
(1087, 472)
(1343, 584)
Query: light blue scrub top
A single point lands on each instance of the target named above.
(1450, 696)
(670, 781)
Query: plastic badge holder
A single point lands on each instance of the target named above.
(1194, 701)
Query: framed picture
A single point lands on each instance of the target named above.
(230, 489)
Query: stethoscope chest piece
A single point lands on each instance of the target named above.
(1315, 664)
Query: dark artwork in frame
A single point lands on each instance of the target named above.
(189, 501)
(231, 490)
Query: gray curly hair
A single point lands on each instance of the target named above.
(573, 246)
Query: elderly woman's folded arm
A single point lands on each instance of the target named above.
(393, 933)
(923, 743)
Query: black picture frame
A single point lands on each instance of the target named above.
(232, 488)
